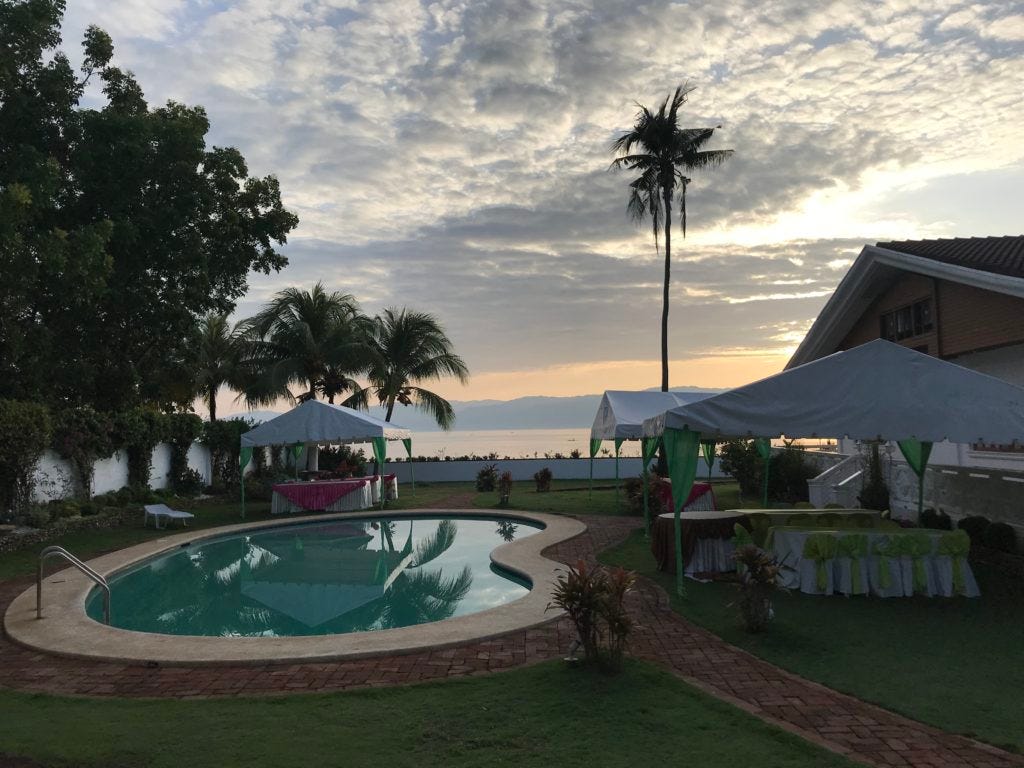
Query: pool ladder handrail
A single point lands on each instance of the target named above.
(56, 551)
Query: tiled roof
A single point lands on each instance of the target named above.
(1000, 255)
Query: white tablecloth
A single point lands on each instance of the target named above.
(788, 545)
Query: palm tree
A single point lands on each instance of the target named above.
(218, 360)
(661, 152)
(310, 339)
(408, 348)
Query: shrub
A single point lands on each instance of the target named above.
(139, 430)
(25, 432)
(875, 493)
(594, 601)
(1000, 536)
(343, 460)
(575, 453)
(189, 483)
(82, 436)
(183, 429)
(975, 526)
(759, 578)
(223, 438)
(543, 480)
(487, 478)
(937, 520)
(634, 487)
(788, 471)
(38, 516)
(505, 487)
(63, 508)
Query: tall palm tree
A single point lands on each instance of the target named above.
(218, 360)
(314, 340)
(408, 348)
(662, 153)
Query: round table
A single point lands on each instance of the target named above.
(707, 540)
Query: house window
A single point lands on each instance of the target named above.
(906, 322)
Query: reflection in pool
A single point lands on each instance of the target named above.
(320, 578)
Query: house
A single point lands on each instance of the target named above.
(959, 299)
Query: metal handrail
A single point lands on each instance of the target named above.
(101, 582)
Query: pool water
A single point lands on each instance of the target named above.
(320, 578)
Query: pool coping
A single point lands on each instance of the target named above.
(67, 630)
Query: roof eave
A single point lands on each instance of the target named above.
(837, 316)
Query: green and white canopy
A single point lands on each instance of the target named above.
(877, 391)
(318, 423)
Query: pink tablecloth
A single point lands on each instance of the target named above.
(320, 494)
(698, 490)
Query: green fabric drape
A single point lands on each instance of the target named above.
(855, 547)
(407, 442)
(296, 452)
(916, 546)
(707, 448)
(380, 455)
(884, 549)
(764, 450)
(917, 453)
(648, 447)
(244, 457)
(618, 444)
(821, 548)
(682, 449)
(595, 446)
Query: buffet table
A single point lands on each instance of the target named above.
(881, 562)
(322, 495)
(707, 540)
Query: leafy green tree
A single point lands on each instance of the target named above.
(119, 227)
(663, 153)
(408, 348)
(218, 361)
(314, 340)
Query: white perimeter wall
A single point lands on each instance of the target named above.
(523, 469)
(55, 478)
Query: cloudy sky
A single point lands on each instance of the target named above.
(453, 157)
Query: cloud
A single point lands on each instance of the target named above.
(453, 155)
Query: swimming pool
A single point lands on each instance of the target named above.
(321, 578)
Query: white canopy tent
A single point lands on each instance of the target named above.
(620, 417)
(621, 413)
(877, 391)
(315, 423)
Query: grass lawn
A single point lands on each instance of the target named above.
(955, 664)
(572, 497)
(543, 715)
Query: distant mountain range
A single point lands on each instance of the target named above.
(534, 412)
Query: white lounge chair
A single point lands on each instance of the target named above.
(156, 511)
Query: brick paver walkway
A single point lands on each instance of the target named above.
(838, 722)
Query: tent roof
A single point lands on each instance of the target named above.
(621, 413)
(877, 391)
(318, 422)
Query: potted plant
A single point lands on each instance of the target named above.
(505, 487)
(758, 580)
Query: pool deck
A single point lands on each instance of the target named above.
(67, 630)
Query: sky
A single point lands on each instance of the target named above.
(454, 157)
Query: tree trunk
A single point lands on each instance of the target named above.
(391, 408)
(213, 403)
(664, 298)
